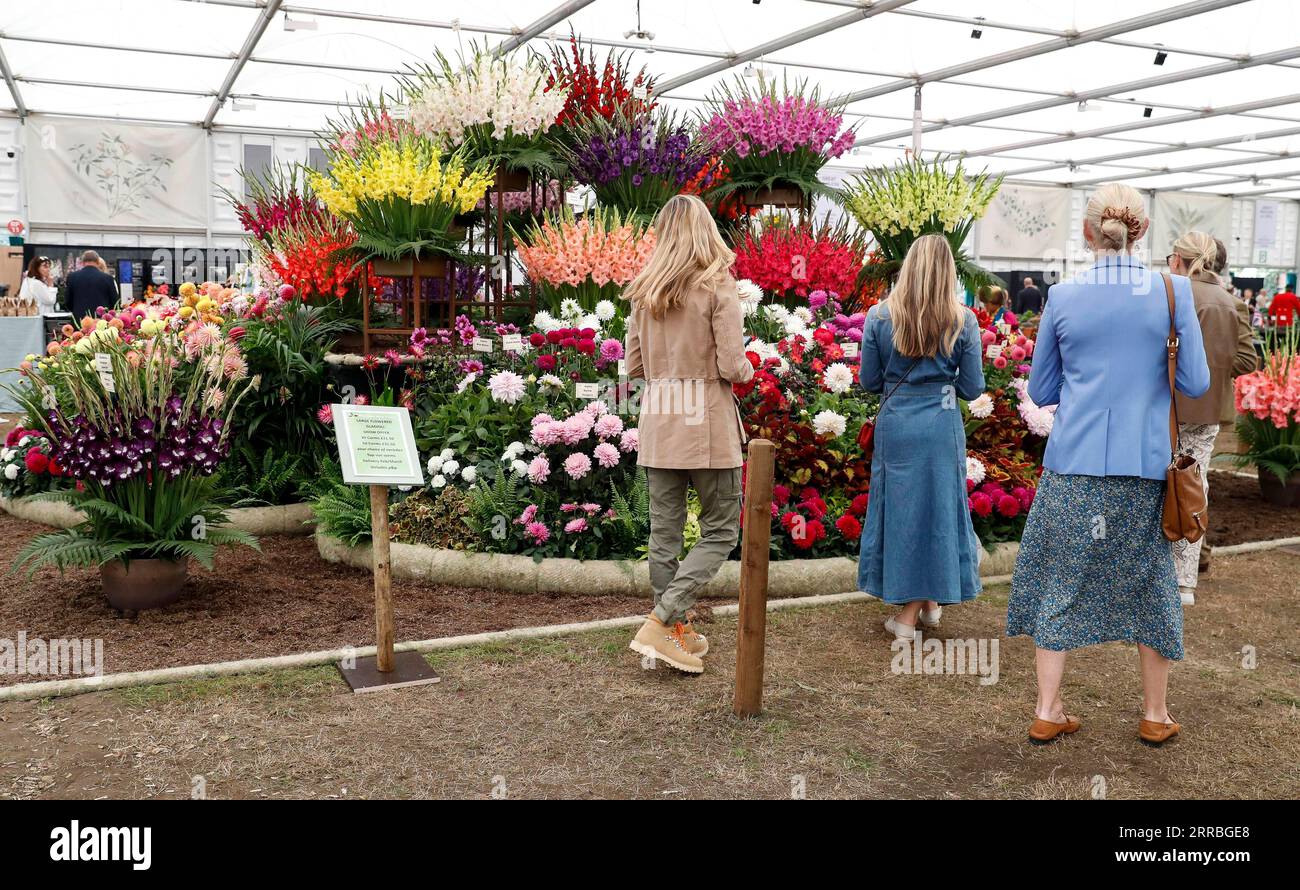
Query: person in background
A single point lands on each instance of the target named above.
(1029, 299)
(994, 300)
(1229, 351)
(38, 286)
(921, 348)
(1284, 311)
(1094, 565)
(684, 339)
(90, 288)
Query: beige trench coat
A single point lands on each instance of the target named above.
(1229, 350)
(688, 417)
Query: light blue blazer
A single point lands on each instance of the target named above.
(1100, 356)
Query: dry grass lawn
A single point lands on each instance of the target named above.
(578, 717)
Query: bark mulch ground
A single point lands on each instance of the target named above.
(1239, 513)
(579, 717)
(283, 600)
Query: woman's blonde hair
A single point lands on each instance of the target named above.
(991, 293)
(1198, 250)
(1116, 216)
(923, 303)
(689, 254)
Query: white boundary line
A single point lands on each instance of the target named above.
(78, 685)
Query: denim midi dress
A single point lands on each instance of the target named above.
(918, 542)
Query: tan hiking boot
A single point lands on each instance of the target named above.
(696, 643)
(657, 641)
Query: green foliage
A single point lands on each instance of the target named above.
(435, 520)
(493, 507)
(277, 478)
(1269, 448)
(182, 518)
(342, 511)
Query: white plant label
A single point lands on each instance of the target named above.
(586, 390)
(995, 350)
(104, 365)
(482, 344)
(850, 350)
(622, 367)
(512, 342)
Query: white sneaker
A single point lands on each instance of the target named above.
(931, 619)
(1187, 595)
(900, 631)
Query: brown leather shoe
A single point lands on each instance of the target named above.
(1043, 731)
(1153, 732)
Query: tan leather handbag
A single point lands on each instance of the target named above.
(1185, 506)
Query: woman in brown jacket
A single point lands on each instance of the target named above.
(685, 347)
(1229, 351)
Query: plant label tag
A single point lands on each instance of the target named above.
(377, 446)
(586, 390)
(639, 91)
(850, 350)
(106, 381)
(482, 344)
(622, 367)
(401, 112)
(1004, 328)
(103, 363)
(512, 342)
(995, 350)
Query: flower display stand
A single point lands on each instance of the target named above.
(412, 295)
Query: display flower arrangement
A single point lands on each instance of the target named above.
(141, 431)
(728, 210)
(1005, 434)
(274, 200)
(320, 262)
(28, 465)
(804, 398)
(586, 260)
(916, 197)
(792, 261)
(634, 164)
(772, 136)
(1268, 405)
(401, 195)
(594, 90)
(497, 108)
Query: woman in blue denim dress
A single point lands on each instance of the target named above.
(921, 350)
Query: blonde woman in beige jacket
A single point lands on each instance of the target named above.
(685, 348)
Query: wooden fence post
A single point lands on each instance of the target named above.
(383, 578)
(751, 629)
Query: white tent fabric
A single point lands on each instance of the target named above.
(1049, 93)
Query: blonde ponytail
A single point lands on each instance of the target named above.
(1198, 250)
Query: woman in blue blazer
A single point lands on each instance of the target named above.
(1094, 565)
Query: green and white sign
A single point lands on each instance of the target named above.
(377, 446)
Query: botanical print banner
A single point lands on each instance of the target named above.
(1025, 222)
(94, 173)
(1176, 213)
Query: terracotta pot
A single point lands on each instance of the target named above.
(144, 583)
(777, 197)
(510, 181)
(1282, 494)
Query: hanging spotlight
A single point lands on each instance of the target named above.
(977, 33)
(1146, 112)
(1161, 55)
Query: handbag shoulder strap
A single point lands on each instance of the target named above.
(894, 389)
(1171, 353)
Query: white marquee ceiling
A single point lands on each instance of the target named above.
(1224, 107)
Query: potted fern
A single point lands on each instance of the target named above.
(137, 410)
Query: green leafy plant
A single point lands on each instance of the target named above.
(342, 511)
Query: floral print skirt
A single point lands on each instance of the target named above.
(1095, 567)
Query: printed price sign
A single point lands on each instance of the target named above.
(512, 342)
(377, 446)
(586, 390)
(482, 344)
(104, 365)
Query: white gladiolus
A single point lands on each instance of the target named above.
(508, 94)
